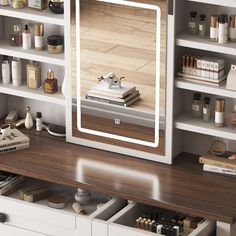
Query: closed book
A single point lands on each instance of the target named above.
(18, 179)
(13, 138)
(14, 147)
(116, 91)
(220, 161)
(28, 190)
(217, 169)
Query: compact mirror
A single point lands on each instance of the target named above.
(118, 80)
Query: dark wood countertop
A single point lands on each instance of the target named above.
(181, 187)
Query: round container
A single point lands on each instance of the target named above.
(56, 6)
(55, 44)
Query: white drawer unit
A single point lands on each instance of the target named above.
(123, 223)
(96, 223)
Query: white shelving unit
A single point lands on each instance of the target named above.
(33, 15)
(227, 3)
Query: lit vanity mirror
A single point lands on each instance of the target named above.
(118, 80)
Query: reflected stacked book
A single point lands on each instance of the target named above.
(218, 164)
(15, 140)
(9, 182)
(125, 96)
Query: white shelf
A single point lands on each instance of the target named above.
(192, 41)
(186, 122)
(33, 15)
(32, 54)
(225, 3)
(36, 94)
(204, 88)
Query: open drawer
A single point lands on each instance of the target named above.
(96, 223)
(124, 222)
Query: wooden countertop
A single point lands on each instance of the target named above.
(182, 187)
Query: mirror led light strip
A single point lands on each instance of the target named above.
(157, 94)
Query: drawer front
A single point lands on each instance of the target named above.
(7, 230)
(37, 218)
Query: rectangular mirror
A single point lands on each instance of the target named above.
(118, 78)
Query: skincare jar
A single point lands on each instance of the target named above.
(56, 6)
(55, 44)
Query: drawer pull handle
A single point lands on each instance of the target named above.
(3, 217)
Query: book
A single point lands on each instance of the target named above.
(96, 94)
(14, 147)
(220, 161)
(117, 92)
(125, 104)
(15, 137)
(14, 182)
(217, 169)
(37, 194)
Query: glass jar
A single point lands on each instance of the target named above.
(202, 26)
(206, 111)
(193, 23)
(197, 105)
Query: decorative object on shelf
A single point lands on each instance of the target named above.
(197, 105)
(231, 79)
(4, 2)
(50, 84)
(202, 26)
(16, 71)
(214, 28)
(18, 4)
(193, 23)
(55, 44)
(112, 80)
(26, 38)
(83, 197)
(63, 87)
(28, 119)
(55, 130)
(37, 194)
(58, 201)
(39, 121)
(223, 28)
(206, 111)
(218, 147)
(56, 6)
(220, 112)
(6, 74)
(232, 28)
(38, 4)
(232, 119)
(39, 36)
(5, 129)
(16, 36)
(33, 75)
(78, 209)
(11, 117)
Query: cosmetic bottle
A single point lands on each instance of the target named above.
(6, 74)
(28, 119)
(37, 4)
(38, 36)
(26, 38)
(197, 105)
(16, 36)
(33, 75)
(18, 4)
(214, 28)
(16, 70)
(4, 3)
(206, 110)
(202, 26)
(39, 121)
(232, 28)
(232, 119)
(50, 84)
(223, 28)
(193, 23)
(220, 112)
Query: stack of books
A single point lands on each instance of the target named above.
(15, 140)
(218, 164)
(124, 96)
(9, 182)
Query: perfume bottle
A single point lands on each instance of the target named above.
(38, 36)
(26, 38)
(6, 74)
(220, 112)
(214, 28)
(50, 84)
(197, 105)
(202, 26)
(33, 75)
(16, 36)
(193, 23)
(206, 111)
(232, 118)
(18, 4)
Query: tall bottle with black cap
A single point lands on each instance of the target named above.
(26, 38)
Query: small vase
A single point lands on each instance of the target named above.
(28, 119)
